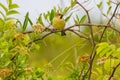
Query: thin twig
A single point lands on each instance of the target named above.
(87, 24)
(79, 34)
(115, 29)
(94, 52)
(46, 28)
(82, 24)
(109, 22)
(81, 73)
(67, 29)
(113, 2)
(92, 37)
(40, 38)
(27, 32)
(89, 20)
(114, 69)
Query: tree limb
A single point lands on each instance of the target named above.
(114, 69)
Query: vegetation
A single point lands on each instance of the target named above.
(89, 51)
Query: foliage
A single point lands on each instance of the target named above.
(88, 51)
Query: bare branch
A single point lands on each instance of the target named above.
(114, 69)
(113, 2)
(115, 29)
(94, 52)
(109, 22)
(27, 32)
(67, 29)
(79, 34)
(40, 38)
(89, 20)
(87, 24)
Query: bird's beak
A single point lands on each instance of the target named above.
(61, 16)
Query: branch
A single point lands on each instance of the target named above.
(109, 22)
(113, 2)
(27, 32)
(79, 34)
(40, 38)
(89, 20)
(55, 32)
(94, 52)
(46, 28)
(115, 29)
(80, 74)
(114, 69)
(86, 24)
(67, 29)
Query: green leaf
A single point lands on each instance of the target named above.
(12, 6)
(83, 19)
(72, 3)
(7, 63)
(76, 22)
(104, 15)
(51, 15)
(3, 15)
(67, 18)
(100, 4)
(39, 20)
(45, 16)
(9, 18)
(104, 51)
(8, 23)
(18, 22)
(39, 73)
(77, 18)
(99, 71)
(101, 78)
(108, 3)
(54, 9)
(112, 49)
(109, 9)
(30, 21)
(101, 46)
(66, 9)
(1, 24)
(48, 12)
(51, 78)
(9, 2)
(109, 63)
(5, 8)
(59, 9)
(116, 53)
(25, 21)
(11, 12)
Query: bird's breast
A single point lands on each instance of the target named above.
(58, 23)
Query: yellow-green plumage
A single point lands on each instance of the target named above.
(58, 22)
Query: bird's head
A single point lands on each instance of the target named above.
(58, 15)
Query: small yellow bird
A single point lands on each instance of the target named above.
(59, 23)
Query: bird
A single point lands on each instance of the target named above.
(59, 23)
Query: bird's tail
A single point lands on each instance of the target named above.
(63, 33)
